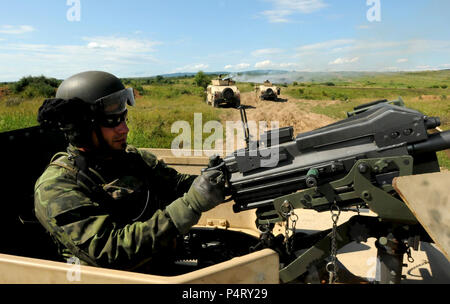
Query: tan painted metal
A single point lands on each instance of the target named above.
(260, 267)
(428, 197)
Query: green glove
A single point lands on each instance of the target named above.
(206, 192)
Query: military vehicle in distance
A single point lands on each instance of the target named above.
(267, 91)
(223, 91)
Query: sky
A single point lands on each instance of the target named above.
(58, 38)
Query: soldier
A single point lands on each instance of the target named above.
(106, 202)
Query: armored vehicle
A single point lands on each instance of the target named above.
(267, 91)
(223, 91)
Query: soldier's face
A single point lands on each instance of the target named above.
(116, 137)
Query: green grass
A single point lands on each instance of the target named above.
(17, 113)
(426, 92)
(245, 87)
(323, 92)
(172, 91)
(437, 107)
(150, 121)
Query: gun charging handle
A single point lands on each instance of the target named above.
(217, 163)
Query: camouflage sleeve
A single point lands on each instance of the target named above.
(167, 177)
(70, 215)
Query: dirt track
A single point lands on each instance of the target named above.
(287, 111)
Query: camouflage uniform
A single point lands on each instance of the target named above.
(118, 221)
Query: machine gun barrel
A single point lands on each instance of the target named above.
(436, 142)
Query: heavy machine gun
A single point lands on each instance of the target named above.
(347, 165)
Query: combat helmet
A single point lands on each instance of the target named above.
(84, 102)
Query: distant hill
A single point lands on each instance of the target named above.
(288, 77)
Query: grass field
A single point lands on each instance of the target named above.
(427, 92)
(177, 99)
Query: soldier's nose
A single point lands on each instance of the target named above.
(122, 128)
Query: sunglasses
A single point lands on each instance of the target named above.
(112, 121)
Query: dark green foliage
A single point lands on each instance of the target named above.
(201, 79)
(40, 86)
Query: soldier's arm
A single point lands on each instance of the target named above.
(176, 183)
(70, 215)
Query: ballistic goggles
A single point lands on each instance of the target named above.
(115, 103)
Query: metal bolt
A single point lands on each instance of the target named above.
(311, 181)
(286, 207)
(395, 134)
(383, 241)
(366, 195)
(363, 168)
(407, 132)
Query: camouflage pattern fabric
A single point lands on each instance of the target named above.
(127, 226)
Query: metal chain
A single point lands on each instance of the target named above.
(410, 258)
(289, 215)
(294, 219)
(332, 267)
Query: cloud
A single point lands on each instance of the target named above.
(192, 67)
(16, 30)
(344, 60)
(277, 16)
(265, 52)
(96, 45)
(284, 8)
(288, 65)
(114, 54)
(425, 67)
(301, 6)
(121, 44)
(239, 66)
(263, 64)
(402, 60)
(391, 69)
(269, 64)
(326, 45)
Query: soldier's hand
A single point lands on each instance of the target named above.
(207, 191)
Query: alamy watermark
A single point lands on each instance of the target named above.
(374, 272)
(74, 273)
(74, 12)
(374, 12)
(234, 139)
